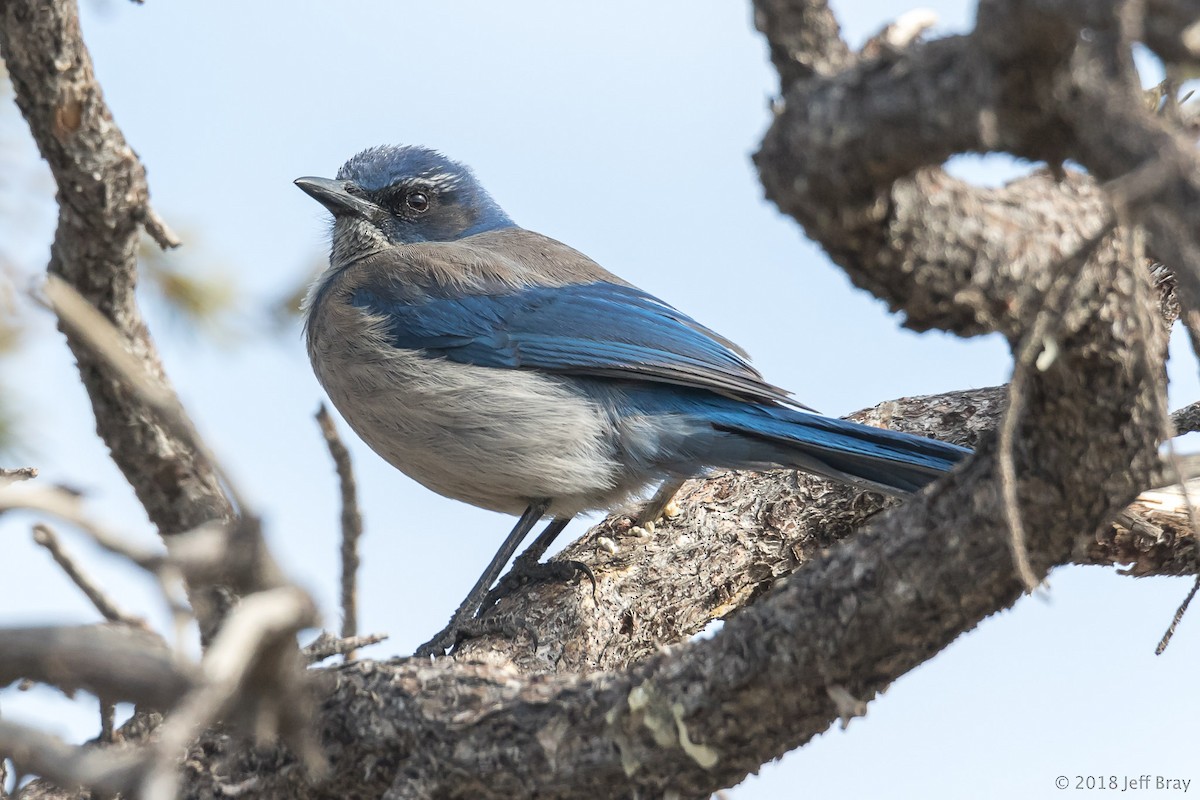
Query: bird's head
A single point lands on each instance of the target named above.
(394, 195)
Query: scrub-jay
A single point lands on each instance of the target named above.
(502, 368)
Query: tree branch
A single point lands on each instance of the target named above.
(12, 475)
(68, 766)
(45, 536)
(116, 662)
(352, 525)
(103, 207)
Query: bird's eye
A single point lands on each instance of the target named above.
(417, 201)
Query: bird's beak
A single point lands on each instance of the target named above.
(333, 195)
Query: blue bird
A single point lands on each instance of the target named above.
(502, 368)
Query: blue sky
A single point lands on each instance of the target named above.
(625, 130)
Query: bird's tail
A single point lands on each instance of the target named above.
(703, 431)
(742, 435)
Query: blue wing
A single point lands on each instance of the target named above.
(596, 329)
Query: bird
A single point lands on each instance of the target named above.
(502, 368)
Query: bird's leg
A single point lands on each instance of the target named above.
(661, 504)
(528, 569)
(533, 554)
(467, 610)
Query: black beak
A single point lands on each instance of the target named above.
(333, 195)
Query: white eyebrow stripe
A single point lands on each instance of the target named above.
(442, 180)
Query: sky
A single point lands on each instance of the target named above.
(624, 129)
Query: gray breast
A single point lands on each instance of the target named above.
(495, 438)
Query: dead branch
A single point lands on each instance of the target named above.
(252, 668)
(352, 525)
(103, 206)
(327, 645)
(68, 506)
(8, 475)
(248, 565)
(45, 536)
(116, 662)
(66, 765)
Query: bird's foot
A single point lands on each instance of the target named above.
(526, 572)
(645, 522)
(661, 506)
(471, 623)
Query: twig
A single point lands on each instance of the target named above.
(327, 645)
(67, 506)
(1183, 607)
(250, 566)
(352, 525)
(108, 712)
(45, 536)
(187, 556)
(18, 474)
(1006, 464)
(1186, 419)
(1028, 356)
(39, 753)
(157, 229)
(82, 319)
(260, 631)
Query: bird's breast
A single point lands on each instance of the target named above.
(492, 437)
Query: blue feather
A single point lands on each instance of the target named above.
(876, 458)
(593, 329)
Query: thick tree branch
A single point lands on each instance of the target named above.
(702, 715)
(937, 248)
(116, 662)
(913, 240)
(738, 534)
(1152, 165)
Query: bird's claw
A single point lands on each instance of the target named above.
(524, 574)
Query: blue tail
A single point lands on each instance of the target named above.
(874, 458)
(703, 430)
